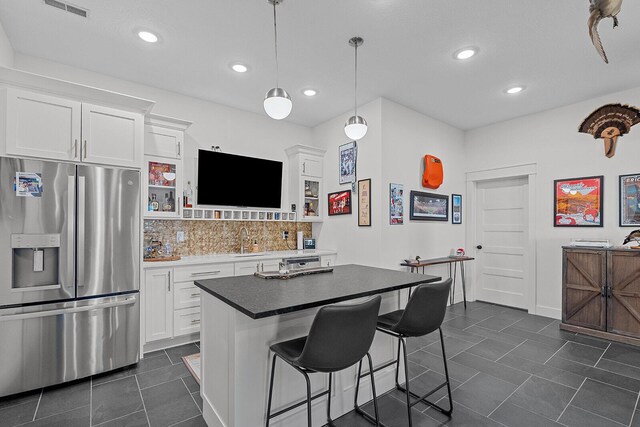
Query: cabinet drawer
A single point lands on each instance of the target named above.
(186, 321)
(185, 295)
(198, 272)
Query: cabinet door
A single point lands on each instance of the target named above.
(163, 142)
(42, 126)
(623, 310)
(311, 166)
(328, 260)
(584, 277)
(271, 265)
(311, 196)
(112, 137)
(158, 306)
(247, 268)
(163, 189)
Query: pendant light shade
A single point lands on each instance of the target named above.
(356, 126)
(277, 102)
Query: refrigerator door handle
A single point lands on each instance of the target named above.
(81, 230)
(58, 311)
(71, 209)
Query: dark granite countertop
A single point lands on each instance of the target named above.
(259, 298)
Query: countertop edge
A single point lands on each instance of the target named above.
(226, 258)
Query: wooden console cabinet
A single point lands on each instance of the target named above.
(601, 293)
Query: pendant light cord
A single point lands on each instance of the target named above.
(355, 92)
(275, 33)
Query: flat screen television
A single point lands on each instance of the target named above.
(231, 180)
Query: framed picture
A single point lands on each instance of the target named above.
(629, 200)
(396, 204)
(348, 159)
(578, 202)
(429, 207)
(456, 209)
(364, 203)
(340, 203)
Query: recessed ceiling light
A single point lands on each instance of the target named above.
(147, 36)
(466, 53)
(310, 92)
(515, 89)
(239, 68)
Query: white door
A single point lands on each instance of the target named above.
(112, 137)
(42, 126)
(502, 239)
(158, 307)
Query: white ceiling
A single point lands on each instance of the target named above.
(407, 56)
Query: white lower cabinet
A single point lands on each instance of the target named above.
(186, 321)
(247, 268)
(328, 260)
(158, 297)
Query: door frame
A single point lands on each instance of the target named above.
(528, 171)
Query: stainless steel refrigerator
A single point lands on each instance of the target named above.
(69, 271)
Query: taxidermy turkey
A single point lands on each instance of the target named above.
(610, 122)
(601, 9)
(634, 235)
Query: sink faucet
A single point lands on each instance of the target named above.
(243, 238)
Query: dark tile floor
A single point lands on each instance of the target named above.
(159, 391)
(508, 368)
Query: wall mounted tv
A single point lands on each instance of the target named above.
(231, 180)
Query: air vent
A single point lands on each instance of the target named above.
(67, 7)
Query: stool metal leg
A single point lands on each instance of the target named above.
(376, 419)
(446, 372)
(329, 420)
(273, 371)
(306, 377)
(464, 286)
(373, 390)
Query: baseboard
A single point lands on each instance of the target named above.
(554, 313)
(171, 342)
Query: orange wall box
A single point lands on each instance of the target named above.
(433, 173)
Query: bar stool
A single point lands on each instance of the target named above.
(340, 336)
(423, 314)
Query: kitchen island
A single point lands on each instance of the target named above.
(243, 316)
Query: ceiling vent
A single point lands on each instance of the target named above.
(67, 7)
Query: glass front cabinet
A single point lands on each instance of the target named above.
(163, 180)
(305, 182)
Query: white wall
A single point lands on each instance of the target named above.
(392, 152)
(551, 140)
(234, 130)
(6, 50)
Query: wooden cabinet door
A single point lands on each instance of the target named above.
(42, 126)
(112, 137)
(158, 306)
(623, 310)
(584, 277)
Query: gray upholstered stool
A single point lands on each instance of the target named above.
(340, 337)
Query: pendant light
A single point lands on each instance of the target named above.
(277, 102)
(356, 126)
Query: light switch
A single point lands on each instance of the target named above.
(38, 260)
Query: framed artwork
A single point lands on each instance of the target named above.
(364, 203)
(429, 207)
(396, 204)
(456, 209)
(578, 202)
(339, 203)
(348, 159)
(629, 200)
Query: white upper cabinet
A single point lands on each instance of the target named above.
(305, 181)
(42, 126)
(112, 137)
(311, 166)
(160, 141)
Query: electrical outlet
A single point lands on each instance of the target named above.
(285, 235)
(180, 236)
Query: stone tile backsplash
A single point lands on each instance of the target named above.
(215, 237)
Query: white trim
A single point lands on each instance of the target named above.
(554, 313)
(529, 171)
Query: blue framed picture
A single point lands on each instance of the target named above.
(456, 209)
